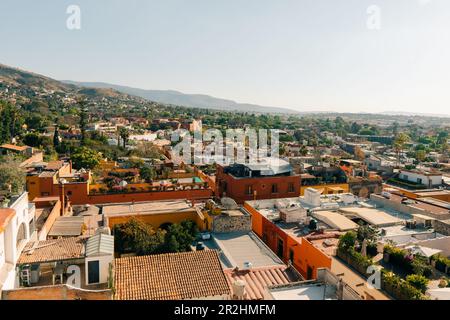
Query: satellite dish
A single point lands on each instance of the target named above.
(123, 183)
(228, 203)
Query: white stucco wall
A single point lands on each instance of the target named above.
(104, 262)
(8, 242)
(435, 180)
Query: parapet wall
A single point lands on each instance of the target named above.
(57, 292)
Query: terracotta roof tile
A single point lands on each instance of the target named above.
(258, 279)
(13, 147)
(53, 250)
(173, 276)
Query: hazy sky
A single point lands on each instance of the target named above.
(301, 54)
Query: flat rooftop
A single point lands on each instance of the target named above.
(373, 216)
(147, 208)
(240, 248)
(306, 291)
(433, 193)
(67, 227)
(335, 220)
(434, 206)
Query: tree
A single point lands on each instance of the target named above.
(369, 233)
(418, 281)
(83, 121)
(10, 122)
(124, 135)
(399, 144)
(347, 241)
(56, 138)
(147, 173)
(355, 127)
(32, 140)
(420, 155)
(135, 236)
(179, 237)
(12, 177)
(85, 158)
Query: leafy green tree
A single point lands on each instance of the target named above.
(135, 236)
(32, 140)
(37, 122)
(399, 144)
(420, 155)
(179, 237)
(147, 173)
(12, 177)
(86, 158)
(10, 122)
(83, 121)
(369, 233)
(418, 281)
(347, 241)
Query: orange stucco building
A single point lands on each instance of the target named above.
(298, 250)
(57, 179)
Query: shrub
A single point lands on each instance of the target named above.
(441, 263)
(347, 241)
(399, 288)
(420, 266)
(418, 281)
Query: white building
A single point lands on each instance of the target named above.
(431, 180)
(16, 228)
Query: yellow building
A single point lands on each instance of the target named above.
(159, 214)
(331, 188)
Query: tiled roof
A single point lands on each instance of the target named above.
(6, 216)
(55, 165)
(47, 174)
(13, 147)
(258, 279)
(53, 250)
(172, 276)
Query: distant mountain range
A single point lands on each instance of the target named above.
(27, 80)
(183, 99)
(405, 113)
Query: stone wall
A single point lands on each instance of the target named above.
(442, 227)
(224, 223)
(365, 187)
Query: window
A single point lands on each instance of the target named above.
(419, 180)
(291, 187)
(274, 188)
(93, 271)
(249, 189)
(291, 255)
(280, 248)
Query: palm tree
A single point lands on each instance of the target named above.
(124, 133)
(399, 144)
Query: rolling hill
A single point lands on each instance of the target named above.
(183, 99)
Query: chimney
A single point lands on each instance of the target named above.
(238, 288)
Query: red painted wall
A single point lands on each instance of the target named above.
(236, 187)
